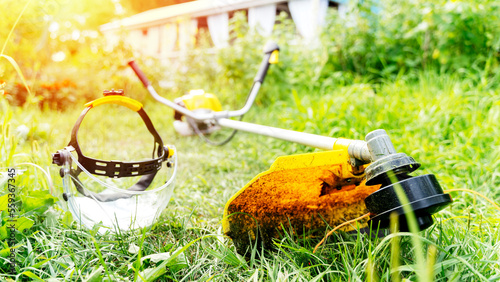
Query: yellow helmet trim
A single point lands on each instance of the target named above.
(118, 100)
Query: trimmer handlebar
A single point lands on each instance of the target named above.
(139, 73)
(270, 57)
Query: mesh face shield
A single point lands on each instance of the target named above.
(103, 192)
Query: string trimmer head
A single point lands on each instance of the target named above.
(304, 194)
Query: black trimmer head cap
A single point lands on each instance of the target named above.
(391, 169)
(424, 194)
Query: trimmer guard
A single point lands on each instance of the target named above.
(303, 194)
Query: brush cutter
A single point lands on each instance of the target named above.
(306, 193)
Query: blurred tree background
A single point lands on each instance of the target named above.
(141, 6)
(66, 59)
(55, 44)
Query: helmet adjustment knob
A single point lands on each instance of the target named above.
(113, 92)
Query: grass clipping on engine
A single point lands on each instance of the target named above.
(303, 201)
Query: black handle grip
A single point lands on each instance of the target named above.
(139, 73)
(264, 66)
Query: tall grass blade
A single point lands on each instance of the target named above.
(14, 27)
(412, 225)
(395, 249)
(20, 73)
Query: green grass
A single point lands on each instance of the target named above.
(448, 124)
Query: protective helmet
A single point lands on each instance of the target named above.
(92, 200)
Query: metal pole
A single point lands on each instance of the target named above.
(208, 116)
(356, 148)
(316, 141)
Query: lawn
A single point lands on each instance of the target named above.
(443, 122)
(444, 116)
